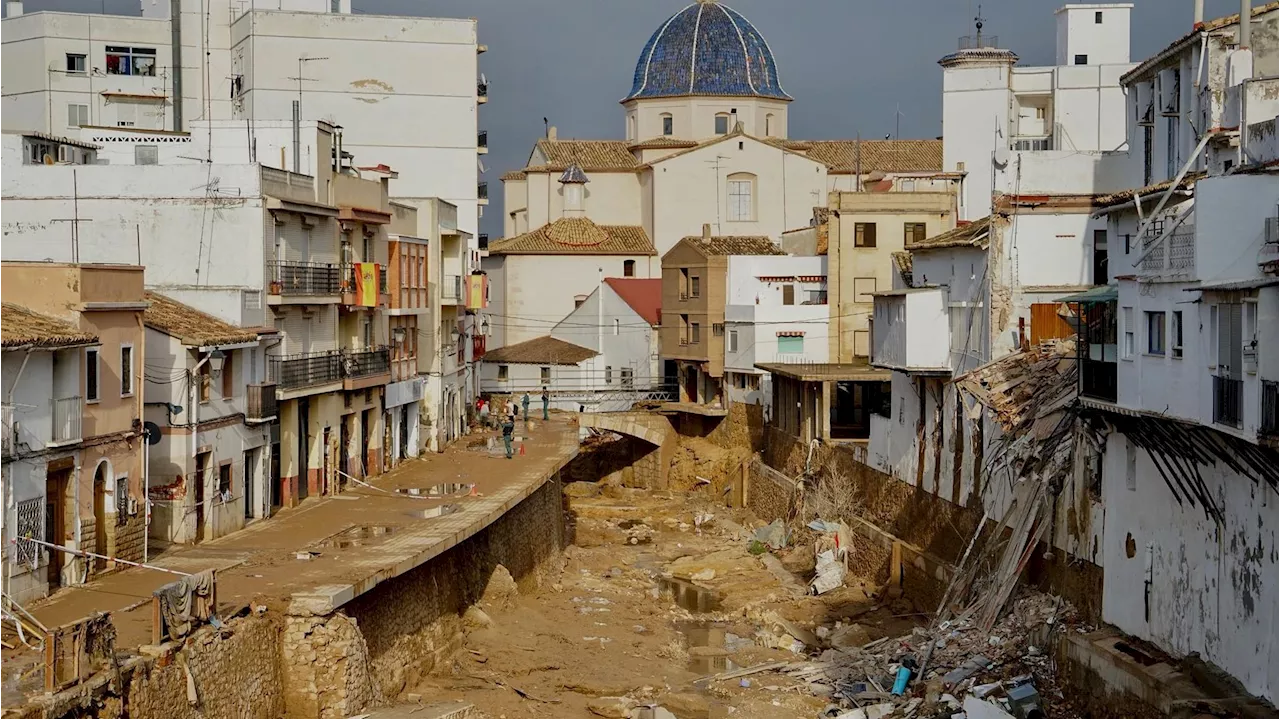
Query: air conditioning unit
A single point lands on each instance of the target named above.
(133, 506)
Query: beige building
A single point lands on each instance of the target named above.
(85, 443)
(866, 236)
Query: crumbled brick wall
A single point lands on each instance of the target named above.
(129, 537)
(329, 669)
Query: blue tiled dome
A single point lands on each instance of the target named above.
(706, 49)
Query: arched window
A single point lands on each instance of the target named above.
(628, 268)
(631, 127)
(768, 125)
(722, 123)
(668, 124)
(742, 190)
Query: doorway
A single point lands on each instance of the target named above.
(366, 434)
(250, 479)
(276, 493)
(304, 447)
(404, 431)
(325, 481)
(344, 444)
(691, 383)
(100, 480)
(55, 521)
(202, 461)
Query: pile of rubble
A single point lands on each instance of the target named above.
(952, 669)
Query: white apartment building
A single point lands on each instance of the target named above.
(775, 312)
(66, 70)
(1027, 130)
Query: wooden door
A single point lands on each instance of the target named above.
(55, 521)
(1047, 324)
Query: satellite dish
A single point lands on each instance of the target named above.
(152, 431)
(48, 159)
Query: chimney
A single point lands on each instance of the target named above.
(551, 132)
(1199, 15)
(1246, 23)
(13, 8)
(706, 233)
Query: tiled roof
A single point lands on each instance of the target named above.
(735, 245)
(643, 295)
(20, 326)
(966, 55)
(513, 175)
(590, 155)
(1123, 196)
(1216, 24)
(706, 49)
(971, 234)
(657, 143)
(841, 156)
(546, 350)
(902, 263)
(577, 235)
(191, 326)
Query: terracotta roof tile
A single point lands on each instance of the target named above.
(902, 263)
(193, 327)
(655, 143)
(1123, 196)
(735, 245)
(841, 156)
(514, 175)
(20, 326)
(971, 235)
(590, 155)
(642, 295)
(577, 235)
(545, 350)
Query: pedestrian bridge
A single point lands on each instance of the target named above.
(651, 463)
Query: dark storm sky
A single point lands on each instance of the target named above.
(848, 63)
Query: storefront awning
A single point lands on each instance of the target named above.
(1106, 293)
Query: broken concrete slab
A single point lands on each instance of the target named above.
(975, 708)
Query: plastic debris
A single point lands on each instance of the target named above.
(774, 535)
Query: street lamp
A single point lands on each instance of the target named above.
(217, 360)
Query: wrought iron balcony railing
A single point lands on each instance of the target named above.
(305, 278)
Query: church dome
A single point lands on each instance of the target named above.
(706, 49)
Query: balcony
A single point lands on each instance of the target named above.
(1269, 420)
(67, 415)
(366, 368)
(304, 279)
(1176, 255)
(260, 403)
(451, 290)
(482, 142)
(911, 331)
(482, 92)
(1032, 143)
(482, 193)
(291, 372)
(1227, 404)
(352, 294)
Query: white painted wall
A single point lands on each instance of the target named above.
(693, 117)
(1105, 39)
(910, 330)
(624, 339)
(611, 198)
(754, 312)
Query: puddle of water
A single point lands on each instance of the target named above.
(689, 595)
(710, 645)
(356, 536)
(436, 490)
(433, 512)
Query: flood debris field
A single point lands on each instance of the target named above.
(669, 604)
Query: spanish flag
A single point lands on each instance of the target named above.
(367, 284)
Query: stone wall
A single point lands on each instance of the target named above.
(330, 674)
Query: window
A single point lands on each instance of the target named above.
(628, 268)
(722, 124)
(768, 125)
(1097, 17)
(628, 378)
(335, 6)
(1175, 336)
(1099, 257)
(76, 63)
(91, 371)
(668, 125)
(631, 127)
(545, 374)
(146, 155)
(733, 340)
(228, 376)
(695, 286)
(864, 234)
(913, 232)
(1155, 333)
(126, 370)
(578, 300)
(1128, 244)
(1130, 342)
(788, 294)
(790, 345)
(1081, 60)
(503, 373)
(617, 326)
(206, 381)
(684, 283)
(122, 500)
(740, 196)
(1039, 113)
(717, 329)
(695, 333)
(224, 481)
(131, 61)
(77, 115)
(1171, 146)
(608, 374)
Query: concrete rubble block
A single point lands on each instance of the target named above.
(501, 590)
(975, 708)
(476, 618)
(612, 707)
(582, 490)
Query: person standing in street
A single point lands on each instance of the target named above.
(484, 414)
(508, 431)
(546, 404)
(524, 402)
